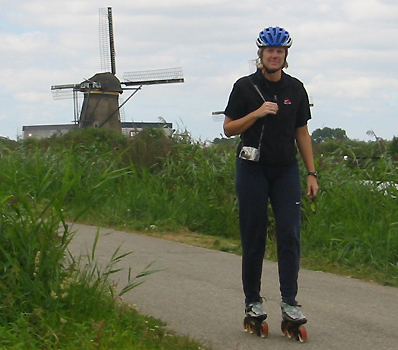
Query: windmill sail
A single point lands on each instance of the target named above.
(107, 44)
(156, 76)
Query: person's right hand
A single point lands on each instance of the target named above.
(267, 108)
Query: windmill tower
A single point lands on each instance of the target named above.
(101, 92)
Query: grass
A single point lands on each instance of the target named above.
(48, 299)
(172, 188)
(355, 225)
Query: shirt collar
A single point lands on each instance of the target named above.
(260, 77)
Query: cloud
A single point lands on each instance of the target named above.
(343, 51)
(371, 10)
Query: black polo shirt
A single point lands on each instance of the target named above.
(278, 145)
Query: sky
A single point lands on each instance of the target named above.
(344, 51)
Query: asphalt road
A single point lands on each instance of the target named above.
(198, 293)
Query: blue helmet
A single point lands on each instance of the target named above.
(274, 36)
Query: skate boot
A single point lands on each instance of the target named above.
(292, 322)
(254, 321)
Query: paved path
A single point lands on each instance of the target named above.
(199, 294)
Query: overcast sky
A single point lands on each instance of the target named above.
(344, 51)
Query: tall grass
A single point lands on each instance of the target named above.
(356, 222)
(168, 183)
(48, 299)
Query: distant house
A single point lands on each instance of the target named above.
(43, 131)
(129, 129)
(132, 128)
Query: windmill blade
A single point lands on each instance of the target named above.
(218, 116)
(65, 91)
(107, 44)
(68, 91)
(152, 77)
(65, 86)
(62, 94)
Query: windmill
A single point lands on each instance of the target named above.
(101, 92)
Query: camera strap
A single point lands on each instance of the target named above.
(262, 129)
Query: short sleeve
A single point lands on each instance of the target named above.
(236, 107)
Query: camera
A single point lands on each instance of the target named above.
(250, 153)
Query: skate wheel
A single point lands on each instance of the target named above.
(264, 330)
(302, 334)
(284, 328)
(247, 325)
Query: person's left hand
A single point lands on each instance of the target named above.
(312, 186)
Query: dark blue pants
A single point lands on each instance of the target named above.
(255, 184)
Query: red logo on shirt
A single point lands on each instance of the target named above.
(287, 102)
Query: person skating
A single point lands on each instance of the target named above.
(270, 110)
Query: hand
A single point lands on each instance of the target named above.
(267, 108)
(312, 186)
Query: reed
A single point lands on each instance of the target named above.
(48, 299)
(355, 224)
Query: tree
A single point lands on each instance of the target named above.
(393, 146)
(321, 135)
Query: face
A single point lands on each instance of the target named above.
(273, 58)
